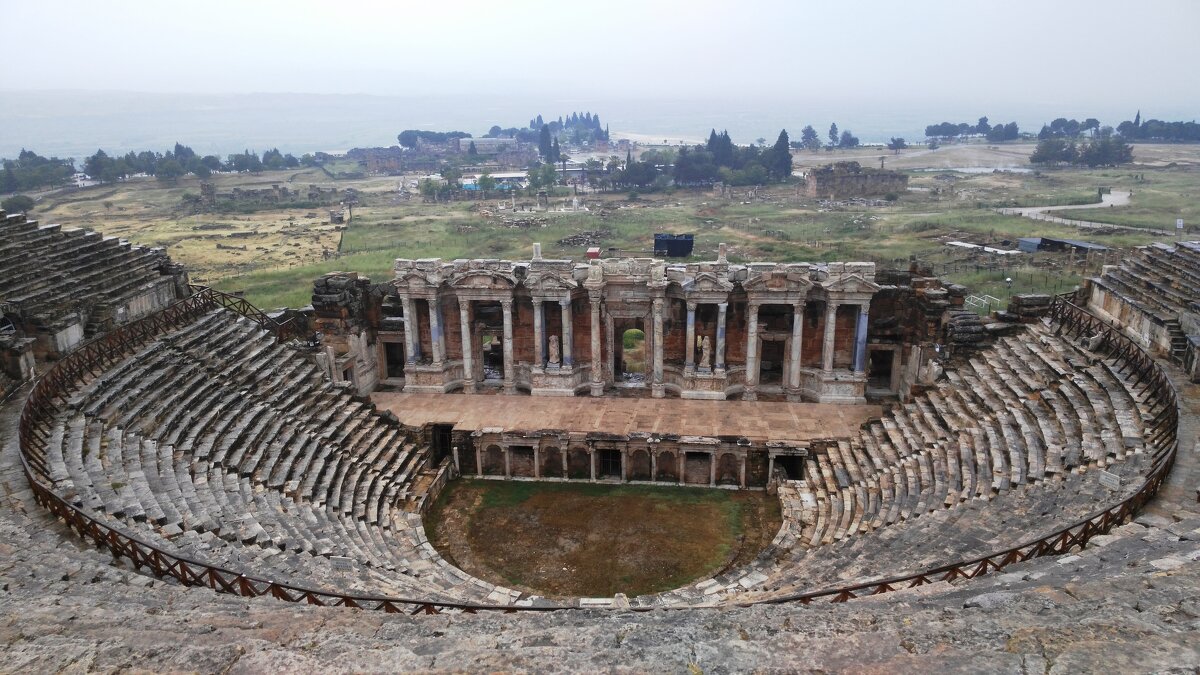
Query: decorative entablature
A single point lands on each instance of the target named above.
(702, 285)
(854, 285)
(418, 278)
(627, 279)
(772, 284)
(552, 279)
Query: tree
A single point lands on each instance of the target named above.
(555, 151)
(545, 147)
(833, 134)
(1053, 150)
(169, 170)
(471, 151)
(779, 162)
(486, 183)
(982, 127)
(897, 144)
(848, 140)
(17, 204)
(809, 138)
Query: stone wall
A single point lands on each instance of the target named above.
(847, 180)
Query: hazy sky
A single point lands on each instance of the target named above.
(980, 53)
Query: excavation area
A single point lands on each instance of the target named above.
(591, 540)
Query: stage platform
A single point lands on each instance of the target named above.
(756, 420)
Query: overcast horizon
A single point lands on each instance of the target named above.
(224, 75)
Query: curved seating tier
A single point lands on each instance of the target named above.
(217, 444)
(48, 272)
(1003, 448)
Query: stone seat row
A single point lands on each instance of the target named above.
(1006, 419)
(227, 520)
(1032, 410)
(230, 448)
(45, 266)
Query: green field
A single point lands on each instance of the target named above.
(273, 253)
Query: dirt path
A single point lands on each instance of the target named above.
(1113, 199)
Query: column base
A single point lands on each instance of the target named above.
(658, 390)
(750, 393)
(468, 386)
(597, 389)
(510, 388)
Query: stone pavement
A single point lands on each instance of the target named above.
(756, 420)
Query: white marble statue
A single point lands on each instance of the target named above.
(705, 352)
(554, 352)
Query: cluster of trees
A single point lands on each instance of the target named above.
(579, 128)
(1065, 128)
(719, 159)
(994, 133)
(811, 140)
(1105, 149)
(1158, 130)
(182, 160)
(30, 171)
(409, 137)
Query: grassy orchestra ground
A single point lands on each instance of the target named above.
(579, 539)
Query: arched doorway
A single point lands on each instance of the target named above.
(632, 354)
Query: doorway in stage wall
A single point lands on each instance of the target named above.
(632, 357)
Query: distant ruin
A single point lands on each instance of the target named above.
(848, 180)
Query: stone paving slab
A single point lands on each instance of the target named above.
(756, 420)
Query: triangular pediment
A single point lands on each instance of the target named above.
(778, 280)
(483, 280)
(707, 282)
(549, 282)
(850, 283)
(414, 279)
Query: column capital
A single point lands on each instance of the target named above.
(564, 302)
(506, 303)
(723, 305)
(799, 306)
(691, 305)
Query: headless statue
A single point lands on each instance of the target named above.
(554, 352)
(705, 352)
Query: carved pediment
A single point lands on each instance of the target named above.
(778, 281)
(707, 282)
(850, 283)
(549, 283)
(415, 279)
(484, 280)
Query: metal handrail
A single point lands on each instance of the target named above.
(105, 351)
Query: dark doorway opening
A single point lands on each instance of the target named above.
(393, 354)
(771, 370)
(879, 368)
(609, 464)
(792, 465)
(440, 440)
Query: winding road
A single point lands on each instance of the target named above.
(1114, 198)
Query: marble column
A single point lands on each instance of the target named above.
(435, 331)
(478, 461)
(592, 462)
(712, 469)
(797, 336)
(508, 462)
(860, 338)
(510, 385)
(537, 462)
(742, 473)
(597, 369)
(750, 393)
(653, 465)
(567, 342)
(539, 352)
(468, 349)
(412, 337)
(657, 389)
(689, 363)
(827, 346)
(719, 357)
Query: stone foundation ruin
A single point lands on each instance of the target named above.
(849, 180)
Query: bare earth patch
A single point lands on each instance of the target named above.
(572, 540)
